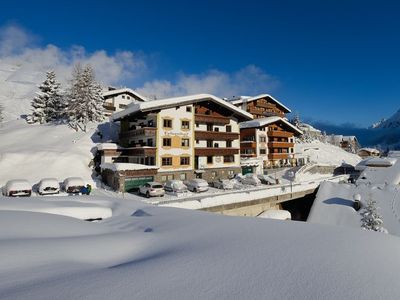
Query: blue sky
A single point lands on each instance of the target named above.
(333, 61)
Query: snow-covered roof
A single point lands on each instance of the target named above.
(349, 138)
(309, 128)
(266, 121)
(249, 99)
(126, 167)
(124, 91)
(370, 150)
(107, 146)
(178, 101)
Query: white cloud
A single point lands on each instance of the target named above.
(250, 80)
(17, 49)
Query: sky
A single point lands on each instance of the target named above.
(329, 61)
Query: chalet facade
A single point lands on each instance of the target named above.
(116, 100)
(183, 138)
(271, 138)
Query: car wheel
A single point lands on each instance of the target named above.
(148, 195)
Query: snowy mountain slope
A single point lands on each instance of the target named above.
(33, 152)
(392, 122)
(17, 88)
(146, 252)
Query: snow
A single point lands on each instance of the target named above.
(33, 152)
(266, 121)
(126, 166)
(384, 171)
(278, 214)
(325, 153)
(124, 91)
(171, 102)
(18, 184)
(146, 252)
(370, 150)
(249, 99)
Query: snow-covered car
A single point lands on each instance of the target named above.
(48, 186)
(224, 184)
(17, 188)
(175, 186)
(197, 185)
(152, 189)
(73, 185)
(266, 179)
(251, 179)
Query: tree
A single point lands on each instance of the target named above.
(371, 219)
(48, 104)
(85, 100)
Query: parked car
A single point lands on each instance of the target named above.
(266, 179)
(197, 185)
(175, 186)
(48, 186)
(17, 188)
(152, 189)
(251, 179)
(224, 184)
(73, 185)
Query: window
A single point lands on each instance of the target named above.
(122, 106)
(127, 97)
(216, 145)
(170, 177)
(167, 123)
(213, 174)
(197, 124)
(185, 161)
(216, 129)
(209, 159)
(262, 139)
(182, 176)
(188, 108)
(185, 125)
(185, 143)
(228, 144)
(209, 127)
(150, 142)
(209, 144)
(291, 150)
(166, 142)
(123, 97)
(166, 161)
(197, 141)
(263, 151)
(208, 112)
(163, 178)
(229, 158)
(231, 172)
(228, 128)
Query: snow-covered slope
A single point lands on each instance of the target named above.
(392, 122)
(146, 252)
(325, 153)
(17, 88)
(34, 152)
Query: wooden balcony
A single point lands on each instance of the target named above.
(280, 133)
(141, 151)
(248, 155)
(247, 145)
(146, 131)
(215, 151)
(216, 135)
(109, 107)
(273, 114)
(211, 119)
(255, 111)
(280, 145)
(274, 156)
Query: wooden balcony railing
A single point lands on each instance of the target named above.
(215, 151)
(279, 133)
(246, 145)
(202, 118)
(215, 135)
(273, 156)
(141, 151)
(109, 107)
(280, 145)
(146, 131)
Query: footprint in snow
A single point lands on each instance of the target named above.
(140, 213)
(148, 229)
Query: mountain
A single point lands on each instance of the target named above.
(392, 122)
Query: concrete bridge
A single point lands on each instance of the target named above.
(250, 202)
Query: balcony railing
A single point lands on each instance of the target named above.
(245, 144)
(109, 107)
(280, 145)
(279, 133)
(273, 156)
(215, 151)
(202, 118)
(141, 151)
(215, 135)
(146, 131)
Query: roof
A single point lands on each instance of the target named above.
(178, 101)
(266, 121)
(126, 167)
(124, 91)
(245, 99)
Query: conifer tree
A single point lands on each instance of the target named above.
(371, 219)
